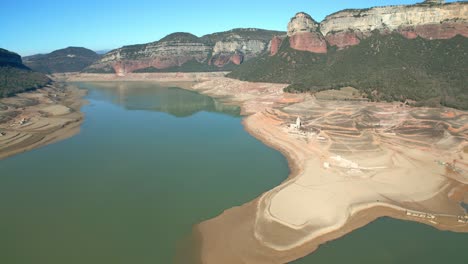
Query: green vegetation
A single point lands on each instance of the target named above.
(71, 59)
(244, 33)
(180, 37)
(15, 77)
(14, 80)
(105, 69)
(385, 67)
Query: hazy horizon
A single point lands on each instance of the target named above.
(48, 25)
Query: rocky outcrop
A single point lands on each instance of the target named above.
(304, 34)
(236, 49)
(275, 45)
(429, 20)
(173, 50)
(344, 39)
(210, 52)
(312, 42)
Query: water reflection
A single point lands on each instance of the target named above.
(153, 97)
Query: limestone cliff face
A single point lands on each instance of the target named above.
(210, 51)
(236, 50)
(428, 20)
(304, 34)
(173, 50)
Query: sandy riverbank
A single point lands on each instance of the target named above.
(33, 119)
(351, 162)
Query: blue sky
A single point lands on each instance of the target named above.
(40, 26)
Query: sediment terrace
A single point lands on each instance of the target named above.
(34, 119)
(352, 162)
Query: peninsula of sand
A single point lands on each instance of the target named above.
(352, 161)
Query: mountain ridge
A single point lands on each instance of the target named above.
(211, 52)
(418, 53)
(70, 59)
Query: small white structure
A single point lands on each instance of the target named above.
(298, 124)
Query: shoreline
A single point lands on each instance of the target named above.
(366, 213)
(38, 118)
(350, 173)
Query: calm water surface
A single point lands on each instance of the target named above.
(389, 241)
(149, 163)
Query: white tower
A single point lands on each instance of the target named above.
(298, 123)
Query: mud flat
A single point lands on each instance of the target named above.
(34, 119)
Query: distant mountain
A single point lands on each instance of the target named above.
(16, 77)
(187, 52)
(102, 52)
(71, 59)
(390, 53)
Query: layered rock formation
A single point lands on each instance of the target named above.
(223, 51)
(173, 50)
(275, 45)
(393, 53)
(429, 20)
(304, 34)
(71, 59)
(176, 51)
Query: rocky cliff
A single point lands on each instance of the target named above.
(395, 53)
(71, 59)
(187, 52)
(304, 34)
(428, 20)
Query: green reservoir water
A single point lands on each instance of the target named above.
(390, 241)
(148, 164)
